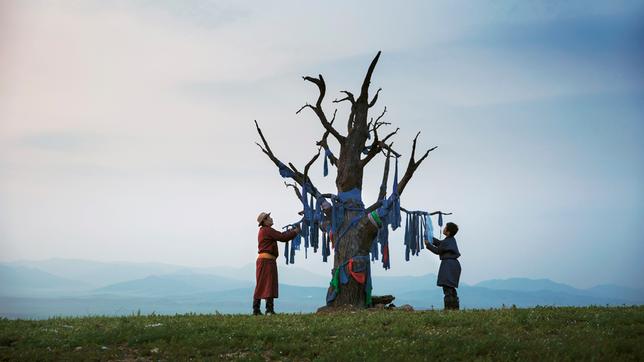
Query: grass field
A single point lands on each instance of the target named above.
(594, 333)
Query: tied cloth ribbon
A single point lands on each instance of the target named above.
(327, 155)
(388, 214)
(415, 225)
(359, 268)
(289, 255)
(314, 219)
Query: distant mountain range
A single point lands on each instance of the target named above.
(59, 287)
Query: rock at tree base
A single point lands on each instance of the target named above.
(384, 299)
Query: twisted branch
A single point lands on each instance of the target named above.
(318, 107)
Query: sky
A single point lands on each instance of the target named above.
(126, 127)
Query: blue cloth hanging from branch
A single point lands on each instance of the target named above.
(395, 218)
(296, 243)
(407, 237)
(418, 227)
(285, 171)
(374, 247)
(325, 247)
(292, 255)
(429, 229)
(286, 253)
(327, 155)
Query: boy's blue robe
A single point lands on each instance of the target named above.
(449, 272)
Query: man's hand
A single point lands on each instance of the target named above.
(426, 243)
(297, 229)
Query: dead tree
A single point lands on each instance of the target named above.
(359, 146)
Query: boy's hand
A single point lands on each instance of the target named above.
(297, 229)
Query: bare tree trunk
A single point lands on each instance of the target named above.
(356, 241)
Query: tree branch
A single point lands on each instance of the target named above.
(298, 177)
(367, 79)
(385, 176)
(409, 172)
(305, 106)
(308, 165)
(379, 145)
(323, 143)
(377, 123)
(412, 165)
(375, 145)
(375, 98)
(318, 107)
(429, 213)
(389, 135)
(297, 192)
(349, 98)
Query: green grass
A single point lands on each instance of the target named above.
(594, 333)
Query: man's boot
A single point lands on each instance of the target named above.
(269, 306)
(256, 305)
(456, 304)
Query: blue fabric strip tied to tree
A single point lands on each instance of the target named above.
(337, 215)
(374, 247)
(325, 247)
(286, 253)
(407, 238)
(295, 244)
(361, 273)
(417, 229)
(429, 228)
(395, 218)
(346, 198)
(292, 255)
(314, 215)
(314, 225)
(285, 171)
(327, 155)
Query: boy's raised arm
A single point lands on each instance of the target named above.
(431, 247)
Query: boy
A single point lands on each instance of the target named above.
(450, 270)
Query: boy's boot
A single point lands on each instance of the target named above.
(256, 305)
(447, 302)
(269, 306)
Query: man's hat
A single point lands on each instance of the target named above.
(261, 217)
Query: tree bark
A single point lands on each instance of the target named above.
(356, 241)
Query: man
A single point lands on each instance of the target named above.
(450, 270)
(266, 265)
